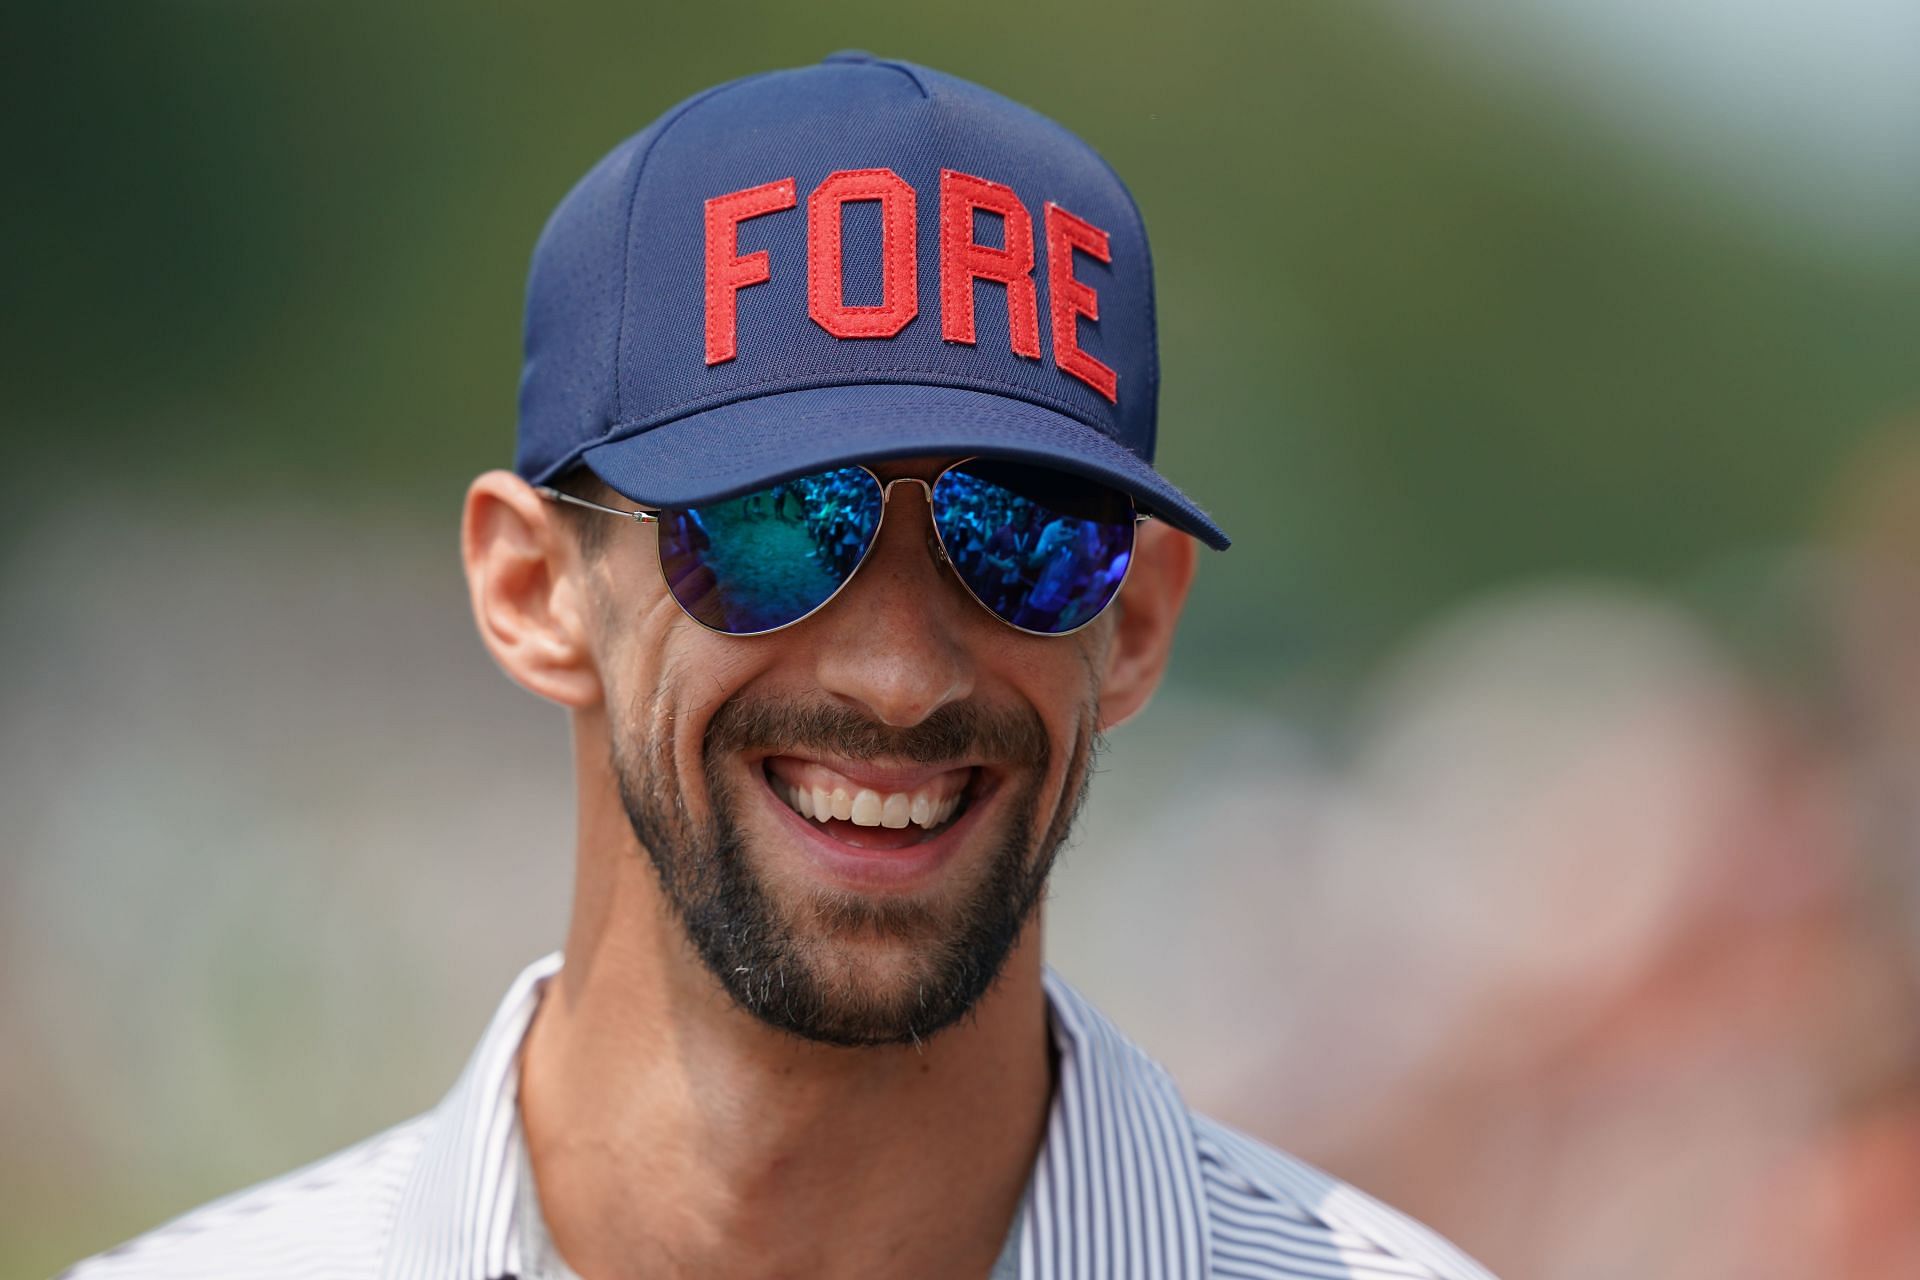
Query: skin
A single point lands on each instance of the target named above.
(671, 1132)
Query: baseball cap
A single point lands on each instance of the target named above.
(849, 262)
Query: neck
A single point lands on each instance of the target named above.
(672, 1134)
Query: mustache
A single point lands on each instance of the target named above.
(958, 730)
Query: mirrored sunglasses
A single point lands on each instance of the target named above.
(1043, 550)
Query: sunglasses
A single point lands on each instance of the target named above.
(1042, 550)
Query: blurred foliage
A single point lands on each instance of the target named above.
(1420, 334)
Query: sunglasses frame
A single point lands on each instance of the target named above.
(651, 515)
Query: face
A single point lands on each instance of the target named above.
(853, 819)
(867, 820)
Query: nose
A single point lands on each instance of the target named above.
(896, 642)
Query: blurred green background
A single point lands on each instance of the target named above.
(1432, 318)
(1451, 297)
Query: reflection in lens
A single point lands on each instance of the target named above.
(1043, 549)
(767, 558)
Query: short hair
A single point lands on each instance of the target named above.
(591, 529)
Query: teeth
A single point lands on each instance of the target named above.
(896, 810)
(867, 808)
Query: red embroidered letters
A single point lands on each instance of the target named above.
(727, 272)
(826, 285)
(963, 262)
(1069, 298)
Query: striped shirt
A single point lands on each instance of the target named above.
(1129, 1183)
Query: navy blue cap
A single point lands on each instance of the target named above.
(848, 262)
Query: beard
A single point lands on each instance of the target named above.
(793, 964)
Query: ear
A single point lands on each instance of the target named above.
(528, 587)
(1149, 607)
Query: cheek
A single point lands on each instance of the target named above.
(1060, 679)
(648, 654)
(1061, 676)
(664, 675)
(633, 670)
(693, 674)
(633, 616)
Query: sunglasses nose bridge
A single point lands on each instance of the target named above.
(887, 487)
(934, 544)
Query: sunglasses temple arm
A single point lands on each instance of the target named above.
(554, 495)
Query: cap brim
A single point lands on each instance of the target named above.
(750, 444)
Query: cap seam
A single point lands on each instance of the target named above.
(907, 71)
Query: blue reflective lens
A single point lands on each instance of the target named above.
(771, 557)
(1043, 549)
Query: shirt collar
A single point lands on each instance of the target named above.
(1115, 1192)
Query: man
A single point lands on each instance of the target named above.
(834, 527)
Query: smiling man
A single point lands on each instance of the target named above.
(834, 528)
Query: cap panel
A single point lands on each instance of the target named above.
(569, 393)
(806, 124)
(573, 314)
